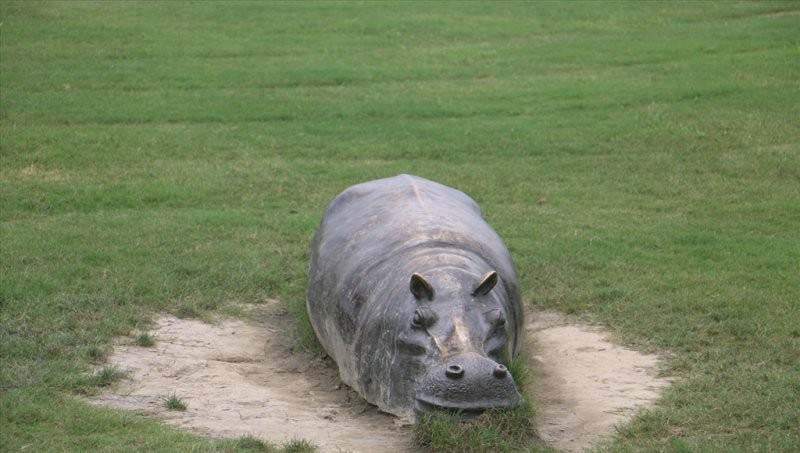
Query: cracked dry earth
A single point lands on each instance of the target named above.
(240, 377)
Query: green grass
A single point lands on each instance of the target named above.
(145, 340)
(641, 161)
(252, 444)
(174, 403)
(494, 430)
(104, 377)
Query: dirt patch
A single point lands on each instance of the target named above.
(584, 384)
(241, 377)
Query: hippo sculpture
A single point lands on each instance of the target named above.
(415, 298)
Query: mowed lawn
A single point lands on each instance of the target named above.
(641, 161)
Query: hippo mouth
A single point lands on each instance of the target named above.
(434, 405)
(426, 407)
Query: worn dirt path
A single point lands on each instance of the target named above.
(241, 377)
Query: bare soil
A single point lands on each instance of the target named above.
(241, 377)
(584, 384)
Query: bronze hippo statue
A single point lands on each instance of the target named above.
(416, 298)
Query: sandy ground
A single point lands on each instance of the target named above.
(241, 377)
(584, 384)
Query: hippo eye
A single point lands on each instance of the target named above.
(423, 318)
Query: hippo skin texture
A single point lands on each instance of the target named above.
(415, 297)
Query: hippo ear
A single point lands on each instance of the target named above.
(420, 287)
(487, 283)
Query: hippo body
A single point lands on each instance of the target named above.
(415, 297)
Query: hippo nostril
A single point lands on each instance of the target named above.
(454, 371)
(500, 371)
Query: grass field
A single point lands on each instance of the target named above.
(641, 161)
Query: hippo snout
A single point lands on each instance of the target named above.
(468, 384)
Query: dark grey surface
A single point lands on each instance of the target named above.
(436, 339)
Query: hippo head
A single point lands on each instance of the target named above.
(456, 340)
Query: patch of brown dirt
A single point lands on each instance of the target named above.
(242, 378)
(584, 384)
